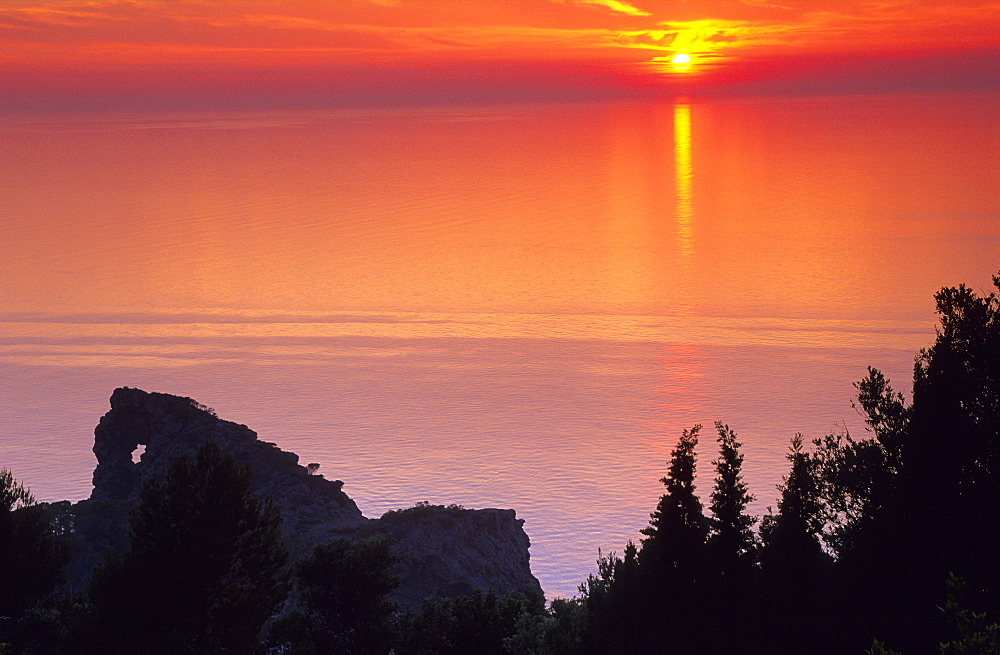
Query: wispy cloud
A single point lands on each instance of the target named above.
(63, 15)
(614, 5)
(433, 37)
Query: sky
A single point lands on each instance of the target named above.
(75, 53)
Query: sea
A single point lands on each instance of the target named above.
(517, 306)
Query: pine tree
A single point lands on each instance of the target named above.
(791, 536)
(795, 567)
(677, 529)
(732, 542)
(672, 559)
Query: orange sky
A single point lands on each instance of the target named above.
(347, 51)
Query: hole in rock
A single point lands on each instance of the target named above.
(137, 453)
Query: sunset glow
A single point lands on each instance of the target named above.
(492, 253)
(240, 51)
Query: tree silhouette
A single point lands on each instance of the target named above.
(795, 567)
(481, 623)
(954, 435)
(204, 569)
(732, 542)
(732, 550)
(675, 537)
(673, 553)
(345, 603)
(867, 534)
(616, 603)
(794, 529)
(31, 557)
(916, 501)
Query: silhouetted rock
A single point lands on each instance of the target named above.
(451, 551)
(446, 551)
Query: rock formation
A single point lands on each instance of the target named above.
(446, 551)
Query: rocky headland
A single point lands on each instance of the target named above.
(445, 551)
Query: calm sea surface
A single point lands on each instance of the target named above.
(499, 307)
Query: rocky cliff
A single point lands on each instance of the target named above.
(446, 551)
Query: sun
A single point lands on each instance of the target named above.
(681, 61)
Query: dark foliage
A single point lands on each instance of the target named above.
(345, 604)
(618, 605)
(733, 552)
(31, 559)
(975, 634)
(917, 500)
(732, 543)
(204, 569)
(883, 544)
(485, 624)
(796, 570)
(866, 536)
(673, 560)
(674, 545)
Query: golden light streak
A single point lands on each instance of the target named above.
(616, 6)
(683, 175)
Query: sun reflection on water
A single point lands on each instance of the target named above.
(683, 175)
